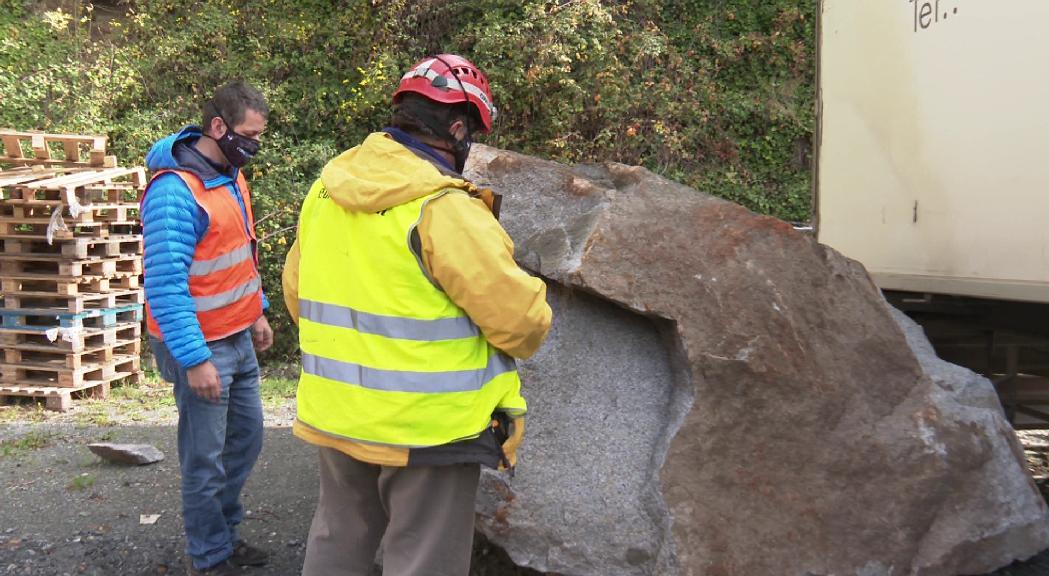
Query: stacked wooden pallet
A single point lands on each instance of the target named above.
(70, 266)
(38, 148)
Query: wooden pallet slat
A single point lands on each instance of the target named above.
(22, 174)
(55, 398)
(115, 192)
(40, 143)
(101, 355)
(38, 227)
(25, 216)
(82, 277)
(54, 372)
(73, 341)
(71, 286)
(16, 265)
(131, 344)
(45, 319)
(72, 151)
(73, 304)
(82, 178)
(41, 211)
(75, 248)
(12, 146)
(61, 399)
(61, 184)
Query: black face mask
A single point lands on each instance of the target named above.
(238, 149)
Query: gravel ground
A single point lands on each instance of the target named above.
(66, 512)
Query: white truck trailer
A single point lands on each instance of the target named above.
(932, 170)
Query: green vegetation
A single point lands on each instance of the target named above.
(718, 95)
(153, 394)
(127, 403)
(81, 481)
(34, 413)
(24, 444)
(277, 391)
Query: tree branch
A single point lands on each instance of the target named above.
(277, 232)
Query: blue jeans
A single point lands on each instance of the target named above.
(218, 443)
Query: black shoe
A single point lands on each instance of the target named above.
(245, 554)
(224, 568)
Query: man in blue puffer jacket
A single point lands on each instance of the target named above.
(205, 314)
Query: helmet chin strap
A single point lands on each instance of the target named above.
(458, 149)
(461, 150)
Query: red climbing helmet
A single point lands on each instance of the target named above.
(450, 79)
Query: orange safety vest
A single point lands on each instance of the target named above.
(223, 278)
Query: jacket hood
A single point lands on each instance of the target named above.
(176, 152)
(381, 173)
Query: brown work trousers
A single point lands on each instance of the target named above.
(423, 517)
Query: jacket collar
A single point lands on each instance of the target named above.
(424, 151)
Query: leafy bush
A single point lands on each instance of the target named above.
(718, 95)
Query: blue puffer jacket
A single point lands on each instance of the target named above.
(173, 224)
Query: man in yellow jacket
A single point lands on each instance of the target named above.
(411, 311)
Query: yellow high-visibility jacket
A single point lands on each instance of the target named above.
(410, 307)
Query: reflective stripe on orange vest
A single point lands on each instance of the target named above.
(223, 278)
(228, 260)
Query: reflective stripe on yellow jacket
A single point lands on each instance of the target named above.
(390, 361)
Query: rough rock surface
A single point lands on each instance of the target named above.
(134, 454)
(722, 395)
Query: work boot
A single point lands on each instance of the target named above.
(224, 568)
(245, 554)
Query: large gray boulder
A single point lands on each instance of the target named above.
(721, 395)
